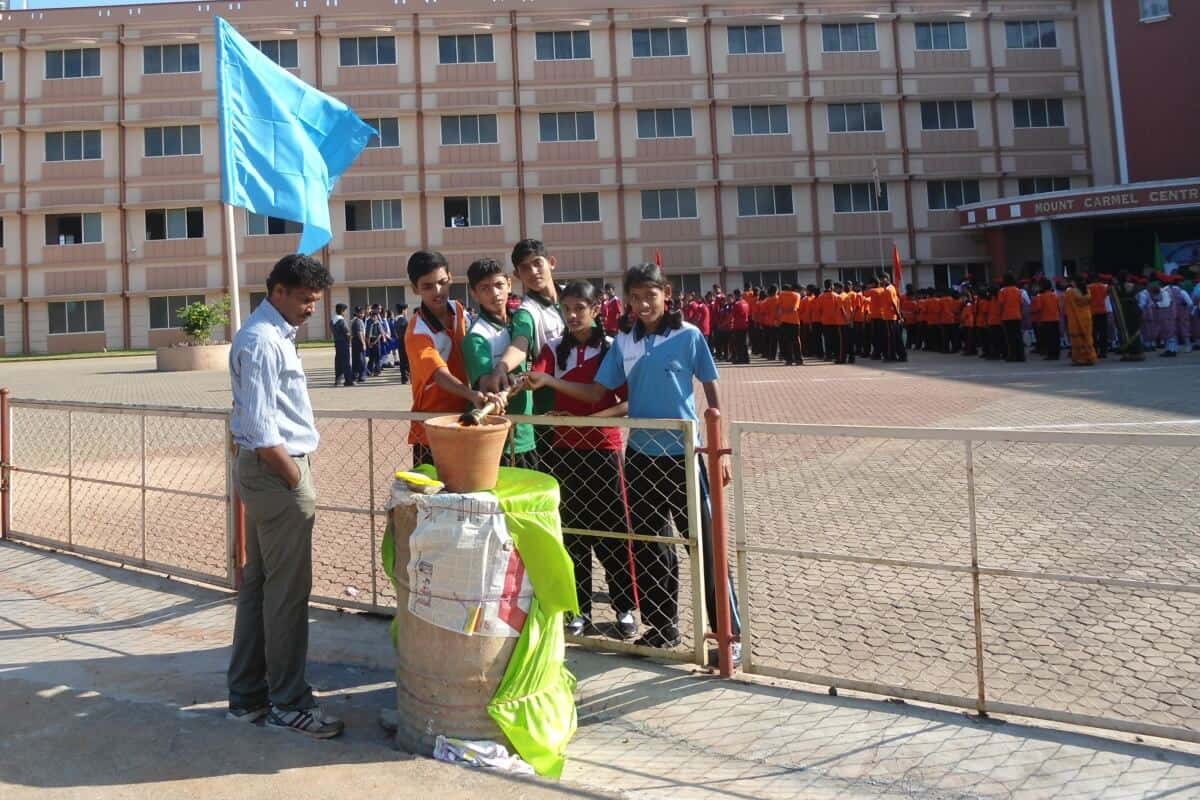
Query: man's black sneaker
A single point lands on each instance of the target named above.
(627, 626)
(576, 626)
(309, 721)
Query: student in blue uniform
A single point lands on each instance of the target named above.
(657, 360)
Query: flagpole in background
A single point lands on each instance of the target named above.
(231, 264)
(878, 214)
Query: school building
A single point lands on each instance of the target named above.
(747, 142)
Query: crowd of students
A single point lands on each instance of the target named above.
(1087, 316)
(368, 342)
(557, 351)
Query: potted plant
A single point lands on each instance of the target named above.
(198, 352)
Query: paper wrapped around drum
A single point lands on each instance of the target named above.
(444, 678)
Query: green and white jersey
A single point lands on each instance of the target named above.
(539, 321)
(484, 344)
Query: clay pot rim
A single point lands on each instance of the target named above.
(489, 422)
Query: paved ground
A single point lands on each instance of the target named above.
(112, 683)
(1109, 511)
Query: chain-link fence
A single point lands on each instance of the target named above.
(153, 487)
(1052, 575)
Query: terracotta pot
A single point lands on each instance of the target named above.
(467, 457)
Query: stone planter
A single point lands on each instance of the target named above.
(188, 358)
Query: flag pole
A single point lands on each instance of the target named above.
(878, 214)
(231, 264)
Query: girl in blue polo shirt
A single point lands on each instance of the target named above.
(658, 359)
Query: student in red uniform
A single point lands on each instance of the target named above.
(587, 461)
(739, 328)
(611, 310)
(1097, 291)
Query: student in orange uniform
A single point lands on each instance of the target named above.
(908, 311)
(1010, 319)
(1097, 291)
(967, 323)
(769, 320)
(805, 315)
(816, 329)
(834, 318)
(433, 343)
(859, 309)
(1045, 318)
(788, 305)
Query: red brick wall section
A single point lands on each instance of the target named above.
(1159, 87)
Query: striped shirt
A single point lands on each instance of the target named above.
(270, 392)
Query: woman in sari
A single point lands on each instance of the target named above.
(1079, 324)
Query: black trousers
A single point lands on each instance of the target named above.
(1100, 334)
(770, 343)
(738, 353)
(816, 338)
(1014, 345)
(789, 343)
(341, 364)
(592, 483)
(658, 507)
(837, 344)
(358, 364)
(1051, 346)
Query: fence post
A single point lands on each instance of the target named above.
(5, 463)
(235, 535)
(976, 599)
(720, 541)
(696, 536)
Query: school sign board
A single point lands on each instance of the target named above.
(1131, 198)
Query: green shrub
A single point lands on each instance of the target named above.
(199, 319)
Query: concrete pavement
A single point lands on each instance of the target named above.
(112, 686)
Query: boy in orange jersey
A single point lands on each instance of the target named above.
(1097, 291)
(769, 320)
(788, 307)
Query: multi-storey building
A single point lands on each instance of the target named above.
(746, 142)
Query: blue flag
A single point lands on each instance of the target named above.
(283, 143)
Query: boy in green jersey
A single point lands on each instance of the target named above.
(486, 341)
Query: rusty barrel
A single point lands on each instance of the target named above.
(444, 679)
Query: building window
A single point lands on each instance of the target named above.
(859, 198)
(948, 195)
(1030, 35)
(83, 63)
(941, 36)
(851, 37)
(283, 52)
(374, 215)
(759, 120)
(1038, 114)
(855, 117)
(383, 296)
(563, 45)
(73, 145)
(664, 123)
(65, 229)
(1042, 185)
(659, 42)
(262, 225)
(770, 277)
(685, 284)
(163, 59)
(76, 316)
(173, 140)
(762, 201)
(255, 299)
(945, 115)
(164, 311)
(1155, 9)
(174, 223)
(1, 247)
(861, 275)
(567, 126)
(669, 204)
(571, 207)
(471, 212)
(366, 51)
(470, 48)
(946, 276)
(387, 132)
(1, 321)
(755, 39)
(1, 78)
(469, 129)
